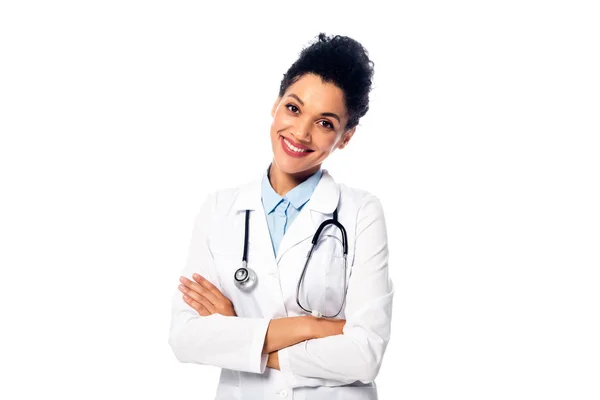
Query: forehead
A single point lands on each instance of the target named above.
(318, 95)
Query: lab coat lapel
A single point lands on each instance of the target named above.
(321, 205)
(250, 198)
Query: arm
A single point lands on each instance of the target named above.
(285, 332)
(356, 355)
(206, 298)
(223, 341)
(205, 328)
(312, 328)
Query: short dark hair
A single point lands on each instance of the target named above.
(339, 60)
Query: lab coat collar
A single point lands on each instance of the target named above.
(298, 196)
(321, 205)
(324, 198)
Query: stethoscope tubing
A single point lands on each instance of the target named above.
(245, 278)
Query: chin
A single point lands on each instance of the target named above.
(293, 167)
(285, 164)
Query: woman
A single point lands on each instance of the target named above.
(282, 328)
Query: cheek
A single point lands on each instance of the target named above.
(325, 145)
(283, 120)
(276, 126)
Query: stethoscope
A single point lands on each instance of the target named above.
(245, 278)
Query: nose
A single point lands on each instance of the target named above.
(303, 136)
(303, 131)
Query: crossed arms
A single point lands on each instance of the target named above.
(309, 351)
(207, 299)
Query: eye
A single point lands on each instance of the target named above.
(294, 108)
(328, 125)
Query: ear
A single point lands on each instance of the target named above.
(346, 138)
(275, 106)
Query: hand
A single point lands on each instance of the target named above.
(323, 327)
(204, 297)
(273, 360)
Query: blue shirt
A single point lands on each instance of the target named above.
(281, 211)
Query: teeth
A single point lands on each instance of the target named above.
(292, 147)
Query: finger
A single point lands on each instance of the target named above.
(209, 286)
(196, 306)
(196, 287)
(198, 298)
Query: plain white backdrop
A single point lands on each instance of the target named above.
(117, 118)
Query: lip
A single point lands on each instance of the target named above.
(298, 145)
(292, 153)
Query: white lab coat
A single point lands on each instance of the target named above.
(336, 367)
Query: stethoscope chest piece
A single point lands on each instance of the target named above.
(245, 278)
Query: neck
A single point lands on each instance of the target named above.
(283, 182)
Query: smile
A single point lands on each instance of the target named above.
(294, 148)
(293, 151)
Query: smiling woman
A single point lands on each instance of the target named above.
(303, 129)
(301, 317)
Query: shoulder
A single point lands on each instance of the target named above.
(223, 201)
(359, 198)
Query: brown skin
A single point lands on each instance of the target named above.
(305, 124)
(303, 115)
(273, 360)
(206, 299)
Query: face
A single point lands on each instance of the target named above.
(309, 123)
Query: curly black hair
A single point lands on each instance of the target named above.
(339, 60)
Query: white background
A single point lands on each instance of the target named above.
(117, 118)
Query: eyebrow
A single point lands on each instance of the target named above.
(325, 114)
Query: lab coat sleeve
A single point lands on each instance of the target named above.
(355, 355)
(228, 342)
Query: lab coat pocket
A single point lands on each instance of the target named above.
(325, 285)
(229, 385)
(335, 276)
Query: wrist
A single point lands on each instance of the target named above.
(273, 360)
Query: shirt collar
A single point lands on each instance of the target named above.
(298, 196)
